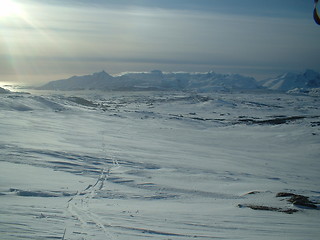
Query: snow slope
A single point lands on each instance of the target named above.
(157, 165)
(289, 81)
(155, 80)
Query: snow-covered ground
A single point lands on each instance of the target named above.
(157, 165)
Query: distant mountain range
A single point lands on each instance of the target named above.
(199, 82)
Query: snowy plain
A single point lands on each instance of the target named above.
(157, 165)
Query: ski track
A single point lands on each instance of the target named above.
(78, 205)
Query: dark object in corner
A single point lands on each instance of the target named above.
(316, 16)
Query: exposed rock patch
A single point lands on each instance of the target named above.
(296, 199)
(273, 121)
(267, 208)
(299, 200)
(284, 194)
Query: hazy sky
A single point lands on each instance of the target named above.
(51, 39)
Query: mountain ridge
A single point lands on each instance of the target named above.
(156, 80)
(199, 82)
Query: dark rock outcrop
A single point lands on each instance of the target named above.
(267, 208)
(298, 200)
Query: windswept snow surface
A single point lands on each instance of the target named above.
(156, 165)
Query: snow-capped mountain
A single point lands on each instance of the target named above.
(95, 81)
(155, 80)
(289, 81)
(214, 81)
(3, 90)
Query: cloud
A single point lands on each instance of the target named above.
(87, 35)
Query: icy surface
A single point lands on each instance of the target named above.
(156, 165)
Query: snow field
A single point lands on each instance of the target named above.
(156, 165)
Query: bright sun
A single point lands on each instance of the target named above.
(9, 8)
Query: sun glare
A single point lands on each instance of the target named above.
(9, 8)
